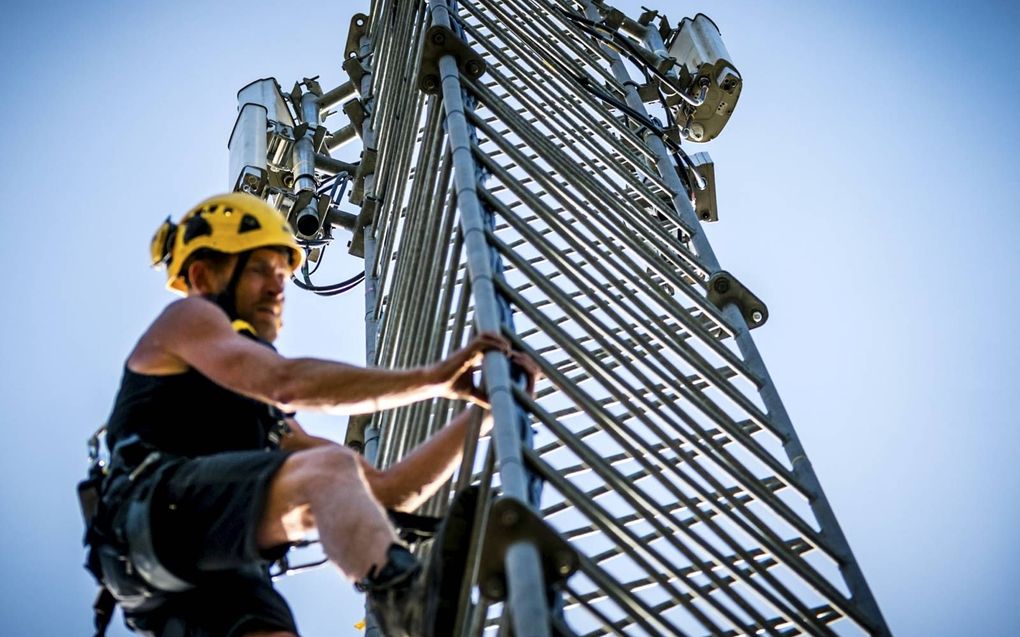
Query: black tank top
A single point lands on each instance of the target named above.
(189, 415)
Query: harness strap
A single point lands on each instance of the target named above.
(103, 607)
(227, 299)
(279, 428)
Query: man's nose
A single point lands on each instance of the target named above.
(276, 284)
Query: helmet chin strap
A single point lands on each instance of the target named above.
(227, 299)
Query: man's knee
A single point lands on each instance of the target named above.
(303, 476)
(321, 467)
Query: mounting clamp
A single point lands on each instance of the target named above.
(355, 70)
(356, 246)
(724, 288)
(366, 167)
(511, 521)
(358, 28)
(440, 41)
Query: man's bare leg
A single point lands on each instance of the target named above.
(325, 488)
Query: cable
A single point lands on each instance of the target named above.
(324, 290)
(680, 158)
(623, 45)
(333, 290)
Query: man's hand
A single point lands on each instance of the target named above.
(455, 373)
(530, 368)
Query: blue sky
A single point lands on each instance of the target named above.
(867, 192)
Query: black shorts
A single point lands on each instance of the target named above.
(205, 514)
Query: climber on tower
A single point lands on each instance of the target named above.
(210, 480)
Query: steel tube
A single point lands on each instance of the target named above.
(528, 603)
(304, 150)
(330, 166)
(341, 137)
(337, 95)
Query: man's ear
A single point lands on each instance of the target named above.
(201, 277)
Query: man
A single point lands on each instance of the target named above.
(209, 481)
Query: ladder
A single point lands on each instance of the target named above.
(523, 170)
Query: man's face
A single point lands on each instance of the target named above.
(259, 294)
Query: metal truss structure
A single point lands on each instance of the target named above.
(521, 173)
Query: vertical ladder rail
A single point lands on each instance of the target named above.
(525, 580)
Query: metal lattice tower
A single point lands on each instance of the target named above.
(514, 180)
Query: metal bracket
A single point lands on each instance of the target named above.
(318, 134)
(649, 92)
(511, 521)
(665, 31)
(365, 168)
(252, 180)
(356, 246)
(647, 16)
(613, 18)
(705, 205)
(356, 71)
(311, 84)
(355, 436)
(355, 112)
(724, 288)
(358, 28)
(440, 41)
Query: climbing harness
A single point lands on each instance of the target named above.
(116, 500)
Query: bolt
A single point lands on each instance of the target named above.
(757, 316)
(474, 68)
(439, 38)
(288, 180)
(564, 562)
(722, 285)
(430, 84)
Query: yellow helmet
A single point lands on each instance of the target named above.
(232, 223)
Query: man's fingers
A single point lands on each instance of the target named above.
(525, 362)
(530, 367)
(490, 340)
(479, 397)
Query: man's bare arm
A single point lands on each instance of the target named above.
(195, 333)
(407, 484)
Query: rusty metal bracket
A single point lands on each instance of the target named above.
(440, 41)
(511, 521)
(724, 288)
